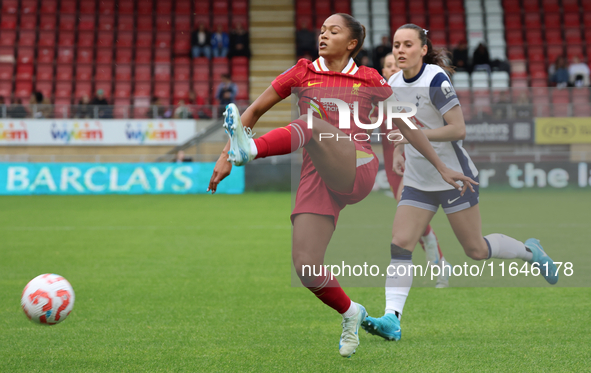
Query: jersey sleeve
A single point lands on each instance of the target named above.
(442, 93)
(383, 91)
(291, 77)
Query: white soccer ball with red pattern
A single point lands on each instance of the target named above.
(48, 299)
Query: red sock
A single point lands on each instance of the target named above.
(428, 230)
(283, 140)
(328, 290)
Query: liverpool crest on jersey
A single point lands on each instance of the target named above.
(355, 90)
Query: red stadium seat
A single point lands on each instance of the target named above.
(104, 55)
(45, 55)
(124, 39)
(162, 55)
(180, 91)
(144, 23)
(44, 87)
(552, 20)
(48, 6)
(105, 39)
(201, 19)
(304, 7)
(23, 89)
(572, 36)
(553, 36)
(9, 7)
(83, 89)
(218, 70)
(241, 7)
(88, 7)
(122, 72)
(143, 55)
(28, 22)
(103, 73)
(223, 21)
(125, 23)
(570, 6)
(163, 22)
(551, 6)
(67, 22)
(416, 7)
(162, 90)
(435, 7)
(62, 107)
(419, 19)
(513, 21)
(201, 7)
(242, 90)
(122, 108)
(8, 22)
(242, 61)
(162, 72)
(86, 22)
(220, 7)
(537, 71)
(83, 72)
(144, 39)
(200, 73)
(456, 22)
(438, 38)
(47, 22)
(554, 51)
(66, 39)
(85, 56)
(531, 6)
(582, 110)
(142, 89)
(24, 72)
(183, 7)
(587, 19)
(65, 55)
(301, 19)
(64, 72)
(25, 55)
(515, 53)
(534, 37)
(145, 7)
(572, 20)
(86, 39)
(44, 72)
(454, 6)
(122, 90)
(342, 7)
(25, 39)
(106, 87)
(456, 36)
(68, 6)
(106, 23)
(6, 90)
(573, 51)
(46, 39)
(436, 23)
(107, 7)
(163, 39)
(182, 23)
(202, 90)
(7, 38)
(143, 73)
(182, 42)
(243, 20)
(163, 7)
(63, 89)
(532, 20)
(125, 7)
(535, 54)
(182, 72)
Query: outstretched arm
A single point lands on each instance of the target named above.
(249, 118)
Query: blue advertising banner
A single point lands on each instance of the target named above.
(114, 178)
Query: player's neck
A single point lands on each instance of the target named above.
(336, 64)
(413, 71)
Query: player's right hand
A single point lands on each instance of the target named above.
(220, 171)
(398, 164)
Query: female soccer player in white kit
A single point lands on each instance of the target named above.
(423, 78)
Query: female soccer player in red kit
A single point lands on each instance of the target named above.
(334, 173)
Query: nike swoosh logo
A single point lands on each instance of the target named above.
(311, 84)
(449, 202)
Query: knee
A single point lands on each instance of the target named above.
(476, 252)
(404, 242)
(305, 266)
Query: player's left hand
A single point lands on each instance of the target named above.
(397, 137)
(451, 177)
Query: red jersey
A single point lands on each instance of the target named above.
(314, 81)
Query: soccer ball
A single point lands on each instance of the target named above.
(48, 299)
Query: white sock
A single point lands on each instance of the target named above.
(398, 285)
(351, 311)
(253, 148)
(505, 247)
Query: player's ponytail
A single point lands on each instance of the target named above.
(439, 56)
(357, 31)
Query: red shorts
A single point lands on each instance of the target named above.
(315, 197)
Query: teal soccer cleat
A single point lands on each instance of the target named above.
(350, 337)
(545, 263)
(387, 327)
(240, 137)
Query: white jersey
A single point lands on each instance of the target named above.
(433, 95)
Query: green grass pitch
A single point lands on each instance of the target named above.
(203, 283)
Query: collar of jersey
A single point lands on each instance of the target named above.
(416, 77)
(351, 67)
